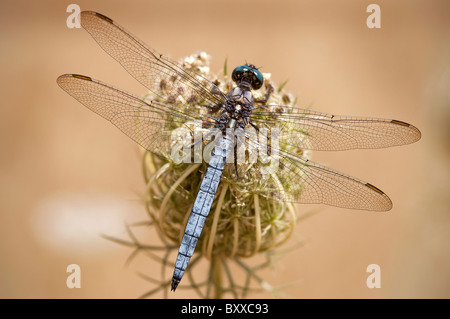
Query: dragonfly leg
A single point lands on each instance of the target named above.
(235, 159)
(204, 138)
(213, 108)
(269, 92)
(254, 126)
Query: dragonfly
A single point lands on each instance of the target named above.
(151, 122)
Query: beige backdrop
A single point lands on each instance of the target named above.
(67, 175)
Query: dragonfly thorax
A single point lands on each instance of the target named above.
(239, 104)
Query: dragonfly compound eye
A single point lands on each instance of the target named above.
(250, 73)
(236, 76)
(257, 80)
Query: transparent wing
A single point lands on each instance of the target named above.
(154, 70)
(150, 124)
(313, 130)
(291, 177)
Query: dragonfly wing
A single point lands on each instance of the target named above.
(313, 130)
(155, 71)
(293, 178)
(150, 124)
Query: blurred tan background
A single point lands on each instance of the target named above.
(67, 175)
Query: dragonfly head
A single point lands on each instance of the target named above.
(248, 73)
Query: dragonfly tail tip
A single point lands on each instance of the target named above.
(175, 283)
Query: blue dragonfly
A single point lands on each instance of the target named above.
(151, 123)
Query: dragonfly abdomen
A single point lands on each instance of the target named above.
(201, 208)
